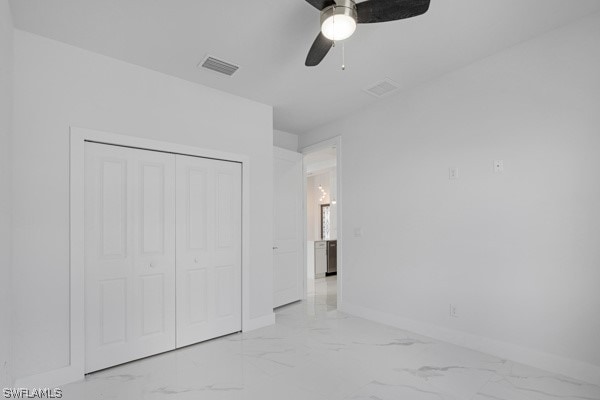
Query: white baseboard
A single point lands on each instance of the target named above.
(51, 379)
(62, 376)
(260, 322)
(549, 362)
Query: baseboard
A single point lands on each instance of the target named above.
(260, 322)
(62, 376)
(51, 379)
(549, 362)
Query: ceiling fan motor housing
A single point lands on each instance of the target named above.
(341, 11)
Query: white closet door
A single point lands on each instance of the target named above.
(208, 249)
(129, 254)
(288, 231)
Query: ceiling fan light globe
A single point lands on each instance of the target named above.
(338, 27)
(338, 21)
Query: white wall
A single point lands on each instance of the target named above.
(517, 252)
(285, 140)
(6, 70)
(57, 86)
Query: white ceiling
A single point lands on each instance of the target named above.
(270, 39)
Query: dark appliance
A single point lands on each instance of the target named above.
(331, 257)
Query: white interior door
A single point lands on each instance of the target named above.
(129, 254)
(208, 249)
(288, 255)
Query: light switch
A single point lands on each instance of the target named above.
(453, 173)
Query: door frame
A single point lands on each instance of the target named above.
(78, 136)
(337, 143)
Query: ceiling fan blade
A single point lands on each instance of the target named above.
(318, 50)
(372, 11)
(320, 4)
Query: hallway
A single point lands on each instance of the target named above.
(321, 294)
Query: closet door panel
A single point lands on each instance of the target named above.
(197, 286)
(208, 249)
(155, 252)
(113, 310)
(153, 304)
(195, 204)
(113, 207)
(129, 254)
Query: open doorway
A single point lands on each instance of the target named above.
(322, 217)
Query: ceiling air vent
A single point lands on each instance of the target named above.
(220, 66)
(382, 88)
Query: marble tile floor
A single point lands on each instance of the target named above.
(315, 352)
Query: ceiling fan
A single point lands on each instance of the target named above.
(339, 19)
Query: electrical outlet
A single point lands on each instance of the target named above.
(453, 312)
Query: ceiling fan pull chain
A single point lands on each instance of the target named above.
(343, 56)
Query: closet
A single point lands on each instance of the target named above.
(162, 252)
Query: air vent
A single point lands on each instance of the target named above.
(219, 66)
(383, 88)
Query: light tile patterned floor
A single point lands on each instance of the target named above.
(314, 352)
